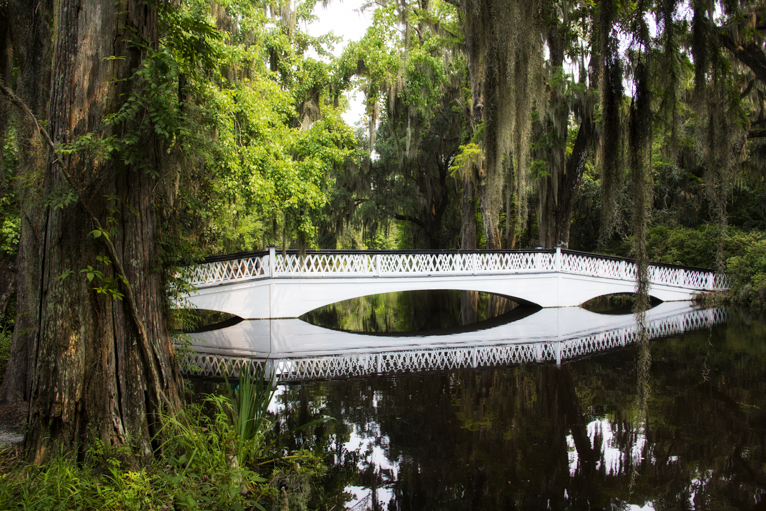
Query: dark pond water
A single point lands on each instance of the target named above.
(677, 423)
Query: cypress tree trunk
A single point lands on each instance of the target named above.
(30, 43)
(103, 366)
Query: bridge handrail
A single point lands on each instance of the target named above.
(327, 263)
(583, 263)
(328, 251)
(413, 263)
(252, 266)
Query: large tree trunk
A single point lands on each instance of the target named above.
(30, 42)
(104, 366)
(559, 190)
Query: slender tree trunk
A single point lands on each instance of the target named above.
(468, 217)
(570, 182)
(103, 366)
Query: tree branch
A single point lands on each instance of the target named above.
(750, 54)
(414, 220)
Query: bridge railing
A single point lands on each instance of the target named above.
(580, 263)
(322, 264)
(220, 270)
(434, 263)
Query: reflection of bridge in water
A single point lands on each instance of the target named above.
(272, 285)
(296, 350)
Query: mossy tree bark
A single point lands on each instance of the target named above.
(103, 366)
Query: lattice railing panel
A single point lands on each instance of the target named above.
(200, 364)
(229, 271)
(324, 264)
(595, 266)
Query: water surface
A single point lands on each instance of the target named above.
(675, 423)
(687, 432)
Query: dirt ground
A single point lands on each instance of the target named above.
(13, 421)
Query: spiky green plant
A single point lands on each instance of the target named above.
(250, 413)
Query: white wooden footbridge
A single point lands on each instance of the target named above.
(273, 285)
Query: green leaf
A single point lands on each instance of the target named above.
(65, 274)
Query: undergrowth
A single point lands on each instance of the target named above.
(218, 454)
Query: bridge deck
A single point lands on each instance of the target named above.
(273, 285)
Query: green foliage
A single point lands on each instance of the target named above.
(196, 467)
(414, 78)
(10, 221)
(468, 156)
(260, 144)
(747, 271)
(682, 245)
(250, 415)
(10, 229)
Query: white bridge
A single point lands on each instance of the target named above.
(272, 285)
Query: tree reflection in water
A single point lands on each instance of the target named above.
(412, 311)
(547, 437)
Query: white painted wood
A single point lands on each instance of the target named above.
(277, 286)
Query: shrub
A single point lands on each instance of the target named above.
(747, 272)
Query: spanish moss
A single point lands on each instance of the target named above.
(639, 144)
(506, 66)
(611, 138)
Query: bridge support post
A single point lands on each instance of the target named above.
(558, 353)
(272, 260)
(557, 260)
(269, 372)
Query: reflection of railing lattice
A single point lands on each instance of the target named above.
(363, 505)
(344, 366)
(368, 264)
